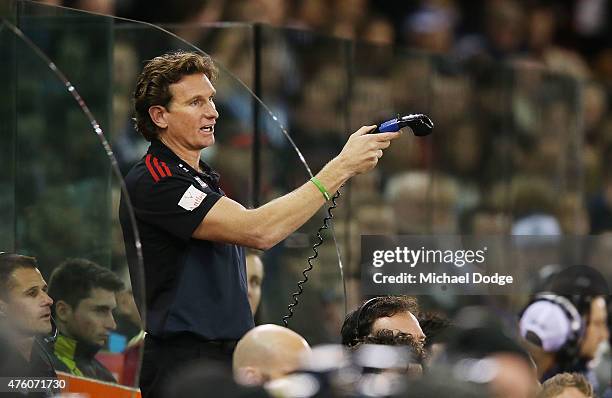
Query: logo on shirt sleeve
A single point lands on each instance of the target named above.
(192, 198)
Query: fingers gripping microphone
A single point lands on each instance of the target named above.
(420, 124)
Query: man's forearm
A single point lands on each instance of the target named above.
(228, 221)
(280, 217)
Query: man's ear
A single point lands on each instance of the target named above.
(158, 116)
(62, 310)
(249, 376)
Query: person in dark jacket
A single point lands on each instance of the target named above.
(84, 294)
(25, 321)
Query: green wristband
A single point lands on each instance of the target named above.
(321, 187)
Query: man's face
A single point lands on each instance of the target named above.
(27, 305)
(191, 114)
(597, 330)
(403, 322)
(92, 320)
(254, 268)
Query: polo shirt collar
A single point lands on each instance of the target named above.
(161, 151)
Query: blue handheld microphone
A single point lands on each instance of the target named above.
(420, 124)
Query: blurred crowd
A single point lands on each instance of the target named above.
(520, 94)
(570, 35)
(557, 346)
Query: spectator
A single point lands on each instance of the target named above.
(84, 295)
(566, 385)
(430, 29)
(564, 332)
(349, 15)
(379, 31)
(386, 312)
(600, 206)
(423, 204)
(484, 220)
(504, 33)
(541, 29)
(25, 317)
(268, 352)
(255, 274)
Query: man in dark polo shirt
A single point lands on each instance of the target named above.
(192, 234)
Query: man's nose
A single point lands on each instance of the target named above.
(110, 323)
(47, 300)
(211, 112)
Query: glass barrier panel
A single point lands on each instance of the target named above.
(67, 186)
(303, 80)
(8, 79)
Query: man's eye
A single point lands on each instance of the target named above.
(195, 102)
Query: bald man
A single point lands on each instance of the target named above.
(266, 353)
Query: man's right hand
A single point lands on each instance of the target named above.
(362, 151)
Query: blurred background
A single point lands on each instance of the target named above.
(519, 92)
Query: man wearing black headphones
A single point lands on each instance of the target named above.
(395, 313)
(25, 318)
(566, 327)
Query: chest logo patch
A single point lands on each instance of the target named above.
(192, 198)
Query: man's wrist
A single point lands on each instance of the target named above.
(337, 167)
(321, 188)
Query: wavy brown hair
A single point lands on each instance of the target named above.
(358, 323)
(153, 86)
(557, 384)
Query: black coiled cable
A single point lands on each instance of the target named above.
(325, 225)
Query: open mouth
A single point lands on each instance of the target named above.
(208, 129)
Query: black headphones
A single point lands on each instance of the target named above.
(569, 351)
(53, 335)
(364, 307)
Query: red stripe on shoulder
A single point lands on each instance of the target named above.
(161, 171)
(150, 167)
(168, 173)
